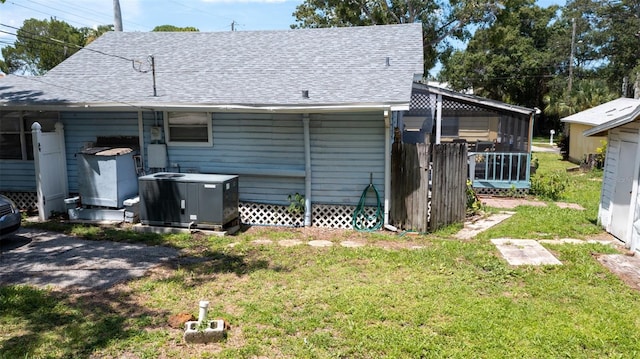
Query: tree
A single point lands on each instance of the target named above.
(41, 45)
(92, 34)
(171, 28)
(510, 61)
(584, 95)
(620, 26)
(440, 21)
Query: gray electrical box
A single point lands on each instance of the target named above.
(106, 176)
(189, 200)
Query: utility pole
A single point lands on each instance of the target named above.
(573, 46)
(117, 16)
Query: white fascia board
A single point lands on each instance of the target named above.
(622, 120)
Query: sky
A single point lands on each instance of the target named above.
(144, 15)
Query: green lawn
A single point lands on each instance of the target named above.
(552, 221)
(449, 299)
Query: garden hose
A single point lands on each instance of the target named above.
(360, 217)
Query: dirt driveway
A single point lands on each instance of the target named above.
(47, 259)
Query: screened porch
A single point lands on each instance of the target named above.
(497, 135)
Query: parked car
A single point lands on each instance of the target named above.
(9, 217)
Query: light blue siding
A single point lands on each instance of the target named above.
(265, 150)
(345, 150)
(83, 128)
(17, 176)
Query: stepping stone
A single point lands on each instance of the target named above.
(470, 230)
(351, 244)
(574, 241)
(524, 252)
(625, 267)
(320, 243)
(510, 202)
(259, 242)
(289, 242)
(570, 205)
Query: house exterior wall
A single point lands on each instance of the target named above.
(581, 146)
(265, 150)
(81, 129)
(17, 176)
(628, 133)
(260, 148)
(346, 149)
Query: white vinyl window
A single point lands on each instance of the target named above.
(188, 129)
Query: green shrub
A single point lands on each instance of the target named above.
(474, 205)
(550, 185)
(601, 153)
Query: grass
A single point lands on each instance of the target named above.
(454, 299)
(552, 221)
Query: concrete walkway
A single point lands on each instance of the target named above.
(46, 259)
(545, 148)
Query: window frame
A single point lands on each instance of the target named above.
(453, 123)
(24, 131)
(168, 126)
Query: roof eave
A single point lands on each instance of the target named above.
(145, 106)
(620, 121)
(476, 99)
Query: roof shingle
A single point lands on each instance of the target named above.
(338, 66)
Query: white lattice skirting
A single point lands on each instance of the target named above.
(326, 216)
(503, 191)
(24, 200)
(323, 215)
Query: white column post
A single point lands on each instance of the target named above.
(307, 170)
(438, 118)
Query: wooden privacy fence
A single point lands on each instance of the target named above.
(428, 185)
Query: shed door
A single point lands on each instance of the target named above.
(51, 170)
(622, 191)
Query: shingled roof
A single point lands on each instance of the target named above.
(354, 66)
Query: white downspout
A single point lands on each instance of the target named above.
(387, 166)
(141, 136)
(438, 118)
(307, 170)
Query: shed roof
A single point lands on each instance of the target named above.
(354, 66)
(606, 116)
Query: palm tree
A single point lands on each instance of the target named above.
(585, 94)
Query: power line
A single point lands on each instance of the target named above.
(42, 12)
(140, 27)
(199, 10)
(64, 11)
(54, 41)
